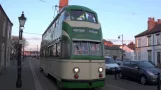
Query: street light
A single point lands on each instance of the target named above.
(22, 20)
(122, 46)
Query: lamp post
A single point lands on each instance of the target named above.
(122, 56)
(37, 51)
(22, 20)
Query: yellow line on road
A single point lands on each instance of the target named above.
(37, 83)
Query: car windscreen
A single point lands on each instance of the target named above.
(146, 64)
(109, 61)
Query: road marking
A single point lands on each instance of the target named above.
(116, 87)
(37, 83)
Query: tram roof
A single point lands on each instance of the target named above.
(68, 8)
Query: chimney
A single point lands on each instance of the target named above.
(151, 23)
(62, 3)
(159, 21)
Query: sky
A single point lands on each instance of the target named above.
(127, 17)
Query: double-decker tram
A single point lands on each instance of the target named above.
(72, 49)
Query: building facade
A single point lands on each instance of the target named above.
(111, 50)
(129, 53)
(5, 39)
(148, 43)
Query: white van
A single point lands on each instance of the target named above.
(110, 64)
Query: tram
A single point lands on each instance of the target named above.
(72, 49)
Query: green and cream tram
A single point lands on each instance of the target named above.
(72, 49)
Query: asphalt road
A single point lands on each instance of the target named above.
(48, 83)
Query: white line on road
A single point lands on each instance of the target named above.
(37, 83)
(116, 87)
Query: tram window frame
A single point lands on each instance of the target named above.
(90, 50)
(73, 51)
(71, 15)
(54, 51)
(58, 55)
(94, 15)
(65, 49)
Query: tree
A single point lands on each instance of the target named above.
(14, 43)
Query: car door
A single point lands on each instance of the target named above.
(134, 71)
(125, 68)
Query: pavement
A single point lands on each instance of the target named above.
(9, 75)
(34, 79)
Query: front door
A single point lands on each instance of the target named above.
(158, 59)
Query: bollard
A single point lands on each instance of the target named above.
(158, 81)
(115, 73)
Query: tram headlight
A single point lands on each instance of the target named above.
(100, 69)
(76, 70)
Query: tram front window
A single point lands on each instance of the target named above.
(80, 48)
(95, 49)
(77, 15)
(83, 16)
(86, 48)
(90, 17)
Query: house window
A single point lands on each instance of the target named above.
(4, 26)
(158, 39)
(149, 55)
(139, 56)
(139, 42)
(9, 30)
(149, 40)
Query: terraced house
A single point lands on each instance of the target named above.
(148, 42)
(5, 37)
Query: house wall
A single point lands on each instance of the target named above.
(5, 33)
(129, 54)
(143, 49)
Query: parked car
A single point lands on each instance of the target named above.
(118, 61)
(110, 65)
(142, 70)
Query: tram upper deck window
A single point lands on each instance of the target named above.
(80, 48)
(90, 17)
(95, 49)
(77, 15)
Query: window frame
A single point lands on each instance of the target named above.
(84, 12)
(77, 19)
(149, 39)
(149, 57)
(93, 15)
(89, 48)
(73, 49)
(158, 36)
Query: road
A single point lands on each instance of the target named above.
(48, 83)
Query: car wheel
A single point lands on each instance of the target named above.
(143, 80)
(121, 76)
